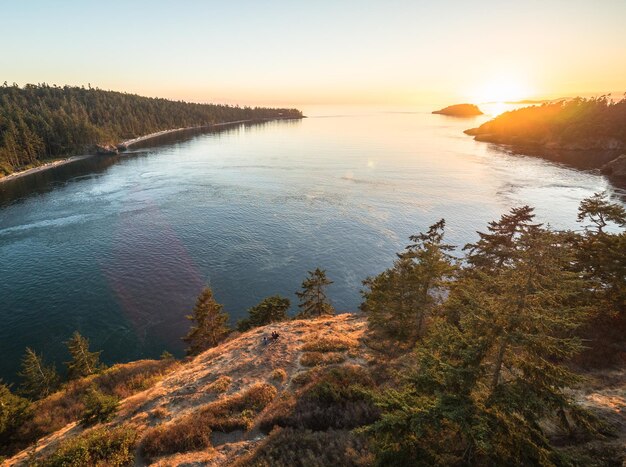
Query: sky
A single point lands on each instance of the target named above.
(392, 52)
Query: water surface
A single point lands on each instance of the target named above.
(119, 248)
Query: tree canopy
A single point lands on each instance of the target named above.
(39, 122)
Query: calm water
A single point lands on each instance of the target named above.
(119, 248)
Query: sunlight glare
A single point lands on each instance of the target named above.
(501, 89)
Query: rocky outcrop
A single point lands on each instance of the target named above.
(106, 149)
(460, 110)
(616, 168)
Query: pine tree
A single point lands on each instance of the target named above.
(400, 300)
(482, 385)
(313, 300)
(600, 211)
(210, 324)
(84, 362)
(497, 246)
(14, 410)
(38, 380)
(269, 310)
(602, 254)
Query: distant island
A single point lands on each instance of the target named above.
(460, 110)
(594, 128)
(41, 123)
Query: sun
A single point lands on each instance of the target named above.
(501, 89)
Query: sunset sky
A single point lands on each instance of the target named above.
(323, 52)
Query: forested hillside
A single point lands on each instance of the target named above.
(580, 124)
(39, 122)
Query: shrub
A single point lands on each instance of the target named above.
(279, 375)
(329, 344)
(99, 407)
(192, 432)
(14, 410)
(290, 447)
(339, 398)
(189, 434)
(319, 358)
(221, 384)
(102, 446)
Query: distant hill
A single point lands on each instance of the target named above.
(460, 110)
(39, 122)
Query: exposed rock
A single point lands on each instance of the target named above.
(616, 168)
(106, 149)
(460, 110)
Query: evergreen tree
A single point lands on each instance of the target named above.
(84, 362)
(600, 211)
(269, 310)
(497, 246)
(38, 380)
(400, 300)
(210, 326)
(482, 385)
(14, 410)
(313, 300)
(602, 255)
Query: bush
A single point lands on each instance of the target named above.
(192, 432)
(319, 358)
(14, 410)
(339, 398)
(99, 407)
(102, 446)
(279, 375)
(189, 434)
(221, 384)
(328, 344)
(289, 447)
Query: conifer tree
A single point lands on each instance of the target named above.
(38, 380)
(210, 326)
(84, 362)
(498, 246)
(400, 300)
(313, 300)
(482, 385)
(269, 310)
(14, 410)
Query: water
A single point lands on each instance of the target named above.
(119, 248)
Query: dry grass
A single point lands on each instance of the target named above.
(68, 405)
(193, 431)
(319, 358)
(335, 343)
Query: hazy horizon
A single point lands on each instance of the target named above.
(351, 53)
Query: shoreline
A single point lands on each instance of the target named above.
(122, 146)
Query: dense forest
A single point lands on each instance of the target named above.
(579, 124)
(39, 122)
(469, 358)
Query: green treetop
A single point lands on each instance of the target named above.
(210, 324)
(400, 300)
(84, 362)
(313, 300)
(38, 380)
(269, 310)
